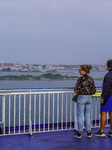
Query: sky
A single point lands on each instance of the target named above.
(56, 31)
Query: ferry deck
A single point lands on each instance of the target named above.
(62, 140)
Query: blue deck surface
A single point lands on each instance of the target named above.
(61, 140)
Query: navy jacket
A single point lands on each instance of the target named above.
(107, 86)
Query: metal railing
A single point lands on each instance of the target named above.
(44, 110)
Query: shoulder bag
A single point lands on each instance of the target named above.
(76, 96)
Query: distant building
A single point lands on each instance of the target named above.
(6, 65)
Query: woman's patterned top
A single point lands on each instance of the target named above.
(89, 84)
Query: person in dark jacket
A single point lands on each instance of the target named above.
(106, 101)
(86, 87)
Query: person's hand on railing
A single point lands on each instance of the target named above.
(102, 101)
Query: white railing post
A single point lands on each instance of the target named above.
(48, 111)
(9, 111)
(75, 117)
(70, 111)
(39, 110)
(34, 111)
(24, 111)
(66, 109)
(3, 113)
(30, 122)
(14, 111)
(62, 114)
(19, 112)
(53, 113)
(44, 114)
(57, 111)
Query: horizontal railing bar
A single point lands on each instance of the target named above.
(46, 125)
(13, 91)
(22, 93)
(27, 89)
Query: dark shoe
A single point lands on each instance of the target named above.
(109, 133)
(89, 134)
(99, 133)
(77, 135)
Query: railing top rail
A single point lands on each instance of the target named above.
(43, 92)
(38, 91)
(27, 89)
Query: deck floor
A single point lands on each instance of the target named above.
(60, 140)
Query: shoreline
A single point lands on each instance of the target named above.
(43, 77)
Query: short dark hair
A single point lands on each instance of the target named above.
(109, 63)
